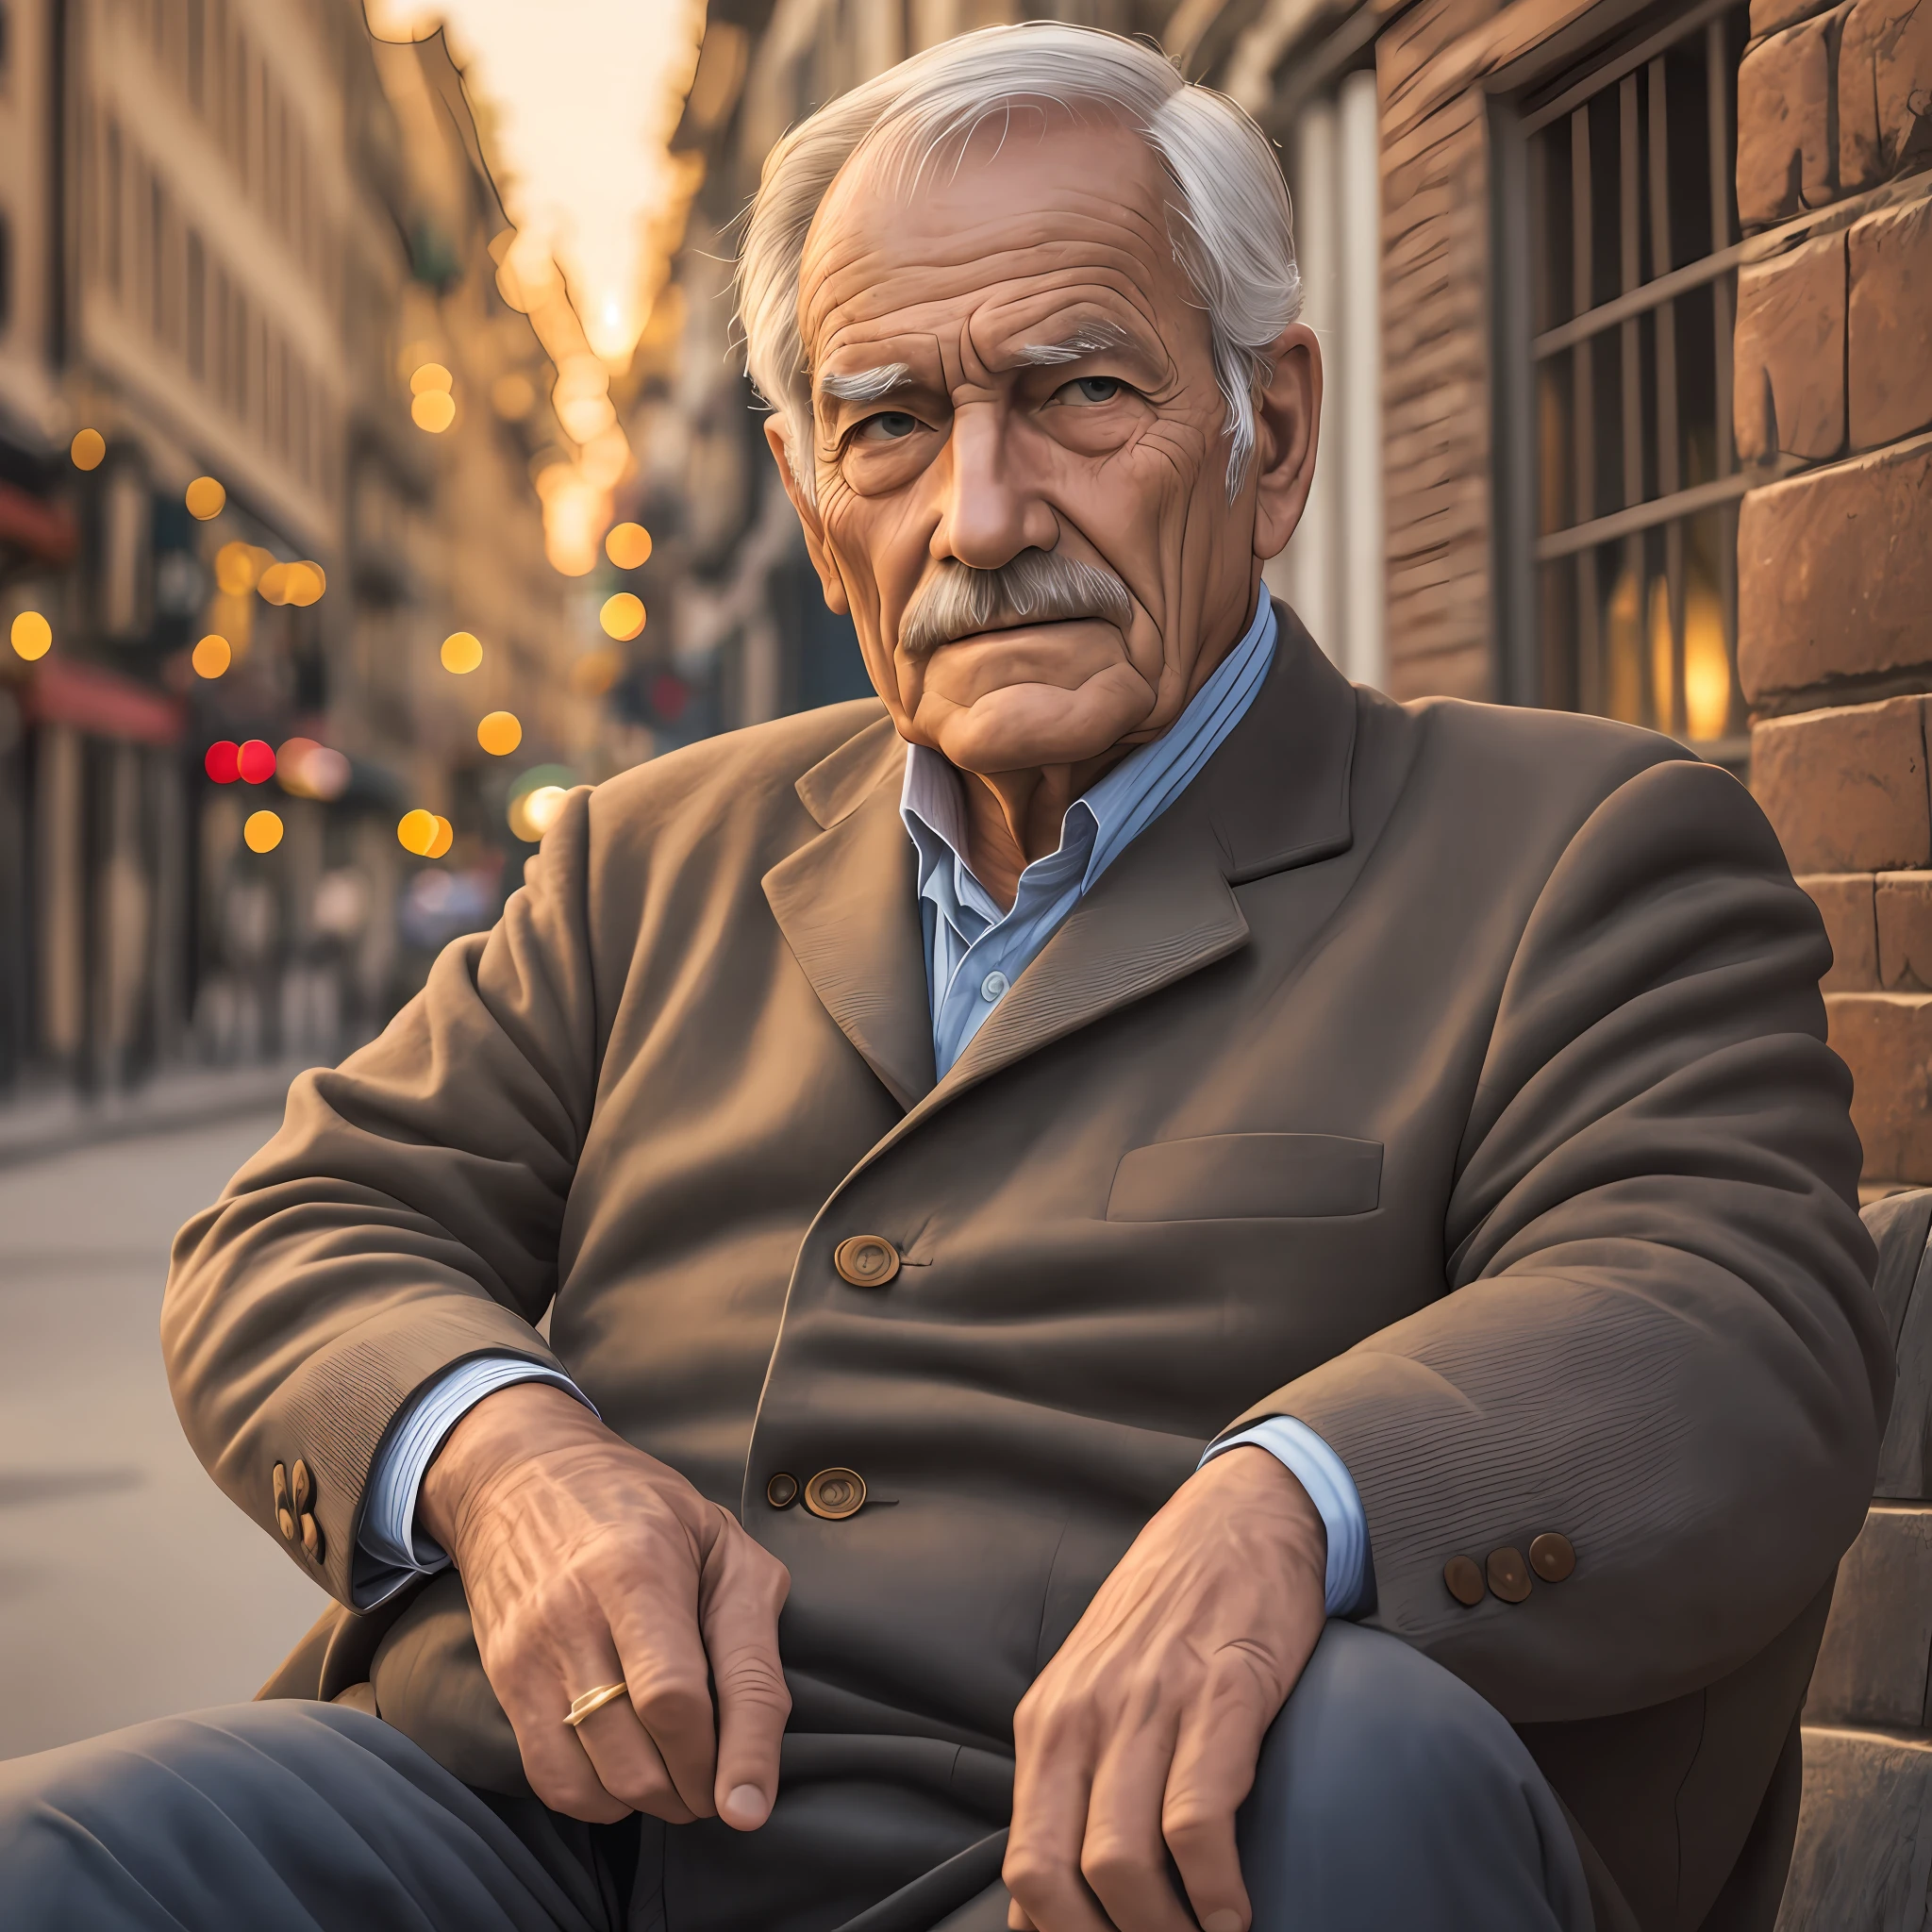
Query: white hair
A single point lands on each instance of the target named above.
(1232, 232)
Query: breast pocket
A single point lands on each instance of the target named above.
(1229, 1176)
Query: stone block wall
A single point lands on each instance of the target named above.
(1833, 375)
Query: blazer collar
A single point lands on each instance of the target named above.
(1275, 796)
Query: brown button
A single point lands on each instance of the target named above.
(1464, 1579)
(1508, 1575)
(782, 1491)
(835, 1493)
(866, 1260)
(311, 1538)
(301, 1491)
(285, 1524)
(1553, 1555)
(280, 1481)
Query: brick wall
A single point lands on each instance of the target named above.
(1834, 396)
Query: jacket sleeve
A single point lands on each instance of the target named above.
(405, 1219)
(1658, 1337)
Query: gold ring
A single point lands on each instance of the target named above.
(594, 1701)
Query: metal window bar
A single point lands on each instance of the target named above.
(1645, 550)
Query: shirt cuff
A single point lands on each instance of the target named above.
(1331, 1490)
(389, 1548)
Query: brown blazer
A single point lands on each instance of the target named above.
(1451, 1078)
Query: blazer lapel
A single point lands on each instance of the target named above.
(1275, 796)
(847, 903)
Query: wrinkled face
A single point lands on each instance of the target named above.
(1011, 373)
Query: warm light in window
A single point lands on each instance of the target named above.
(1706, 665)
(86, 449)
(431, 379)
(461, 652)
(622, 616)
(500, 733)
(206, 498)
(435, 409)
(629, 546)
(211, 657)
(32, 636)
(262, 832)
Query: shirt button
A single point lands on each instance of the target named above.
(992, 989)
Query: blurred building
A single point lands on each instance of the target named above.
(231, 240)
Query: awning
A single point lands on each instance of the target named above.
(92, 698)
(42, 531)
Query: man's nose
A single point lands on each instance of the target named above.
(990, 511)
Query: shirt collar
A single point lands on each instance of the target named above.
(1106, 817)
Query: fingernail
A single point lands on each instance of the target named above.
(1225, 1920)
(746, 1806)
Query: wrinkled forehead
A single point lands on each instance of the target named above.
(1032, 214)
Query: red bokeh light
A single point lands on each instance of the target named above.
(255, 761)
(222, 763)
(669, 696)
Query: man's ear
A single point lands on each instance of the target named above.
(778, 434)
(1288, 422)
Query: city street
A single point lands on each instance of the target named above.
(129, 1585)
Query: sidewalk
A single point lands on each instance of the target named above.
(46, 1123)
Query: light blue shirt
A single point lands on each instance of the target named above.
(973, 954)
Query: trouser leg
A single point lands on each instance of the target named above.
(1390, 1793)
(278, 1817)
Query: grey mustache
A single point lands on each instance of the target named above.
(1037, 587)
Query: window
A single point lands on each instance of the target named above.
(1618, 480)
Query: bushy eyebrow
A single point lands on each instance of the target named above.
(864, 385)
(1089, 339)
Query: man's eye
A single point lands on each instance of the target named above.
(890, 426)
(1091, 389)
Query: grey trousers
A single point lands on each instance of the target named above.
(1388, 1793)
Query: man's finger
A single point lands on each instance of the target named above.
(1213, 1771)
(554, 1760)
(663, 1662)
(628, 1765)
(1053, 1776)
(743, 1590)
(1122, 1856)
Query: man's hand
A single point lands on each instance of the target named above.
(1141, 1736)
(586, 1561)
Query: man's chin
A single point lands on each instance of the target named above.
(1023, 727)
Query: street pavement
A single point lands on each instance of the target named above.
(129, 1585)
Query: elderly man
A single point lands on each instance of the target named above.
(1178, 1295)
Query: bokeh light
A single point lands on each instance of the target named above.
(418, 830)
(629, 546)
(513, 396)
(86, 449)
(445, 838)
(434, 411)
(262, 831)
(532, 813)
(239, 567)
(255, 761)
(500, 733)
(205, 498)
(312, 771)
(431, 379)
(222, 762)
(622, 616)
(212, 655)
(32, 636)
(301, 583)
(462, 651)
(595, 671)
